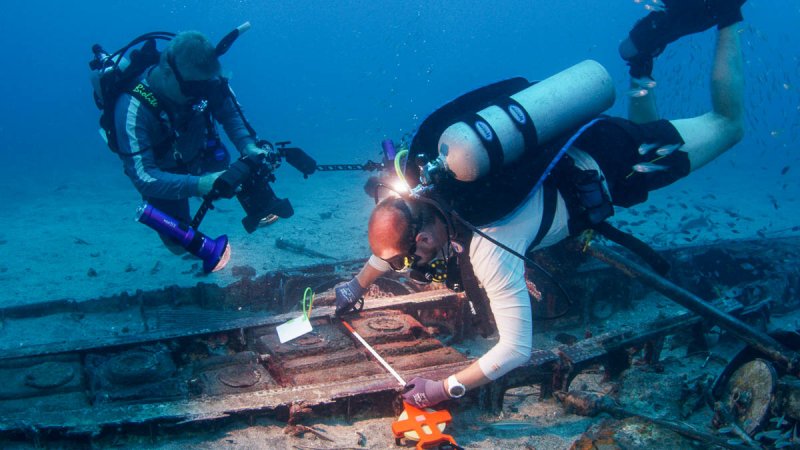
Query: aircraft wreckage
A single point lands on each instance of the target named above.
(183, 355)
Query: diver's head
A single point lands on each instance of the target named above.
(403, 232)
(190, 68)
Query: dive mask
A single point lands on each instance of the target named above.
(196, 89)
(404, 262)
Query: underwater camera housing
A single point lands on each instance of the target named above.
(249, 180)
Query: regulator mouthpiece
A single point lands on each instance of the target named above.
(433, 172)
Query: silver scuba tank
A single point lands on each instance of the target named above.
(555, 105)
(100, 66)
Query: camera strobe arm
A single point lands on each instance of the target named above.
(297, 158)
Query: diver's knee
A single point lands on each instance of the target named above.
(737, 132)
(733, 131)
(174, 247)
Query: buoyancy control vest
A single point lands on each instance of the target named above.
(121, 72)
(113, 75)
(487, 199)
(484, 151)
(498, 192)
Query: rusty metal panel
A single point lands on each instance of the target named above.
(230, 374)
(329, 353)
(378, 327)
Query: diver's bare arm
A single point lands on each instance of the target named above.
(368, 275)
(727, 77)
(471, 377)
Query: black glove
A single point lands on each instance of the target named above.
(300, 160)
(728, 12)
(227, 184)
(347, 296)
(651, 34)
(422, 392)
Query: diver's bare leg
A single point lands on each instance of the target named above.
(711, 134)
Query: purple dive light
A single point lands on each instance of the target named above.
(215, 253)
(389, 151)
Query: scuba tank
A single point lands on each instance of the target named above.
(101, 67)
(113, 74)
(485, 141)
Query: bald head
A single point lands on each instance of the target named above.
(389, 227)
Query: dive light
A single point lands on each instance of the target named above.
(215, 253)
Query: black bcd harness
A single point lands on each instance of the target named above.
(494, 196)
(116, 79)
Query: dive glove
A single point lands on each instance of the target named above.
(255, 149)
(347, 295)
(650, 36)
(422, 392)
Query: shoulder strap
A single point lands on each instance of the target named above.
(144, 94)
(148, 99)
(482, 317)
(550, 194)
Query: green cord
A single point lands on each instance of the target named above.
(308, 293)
(397, 167)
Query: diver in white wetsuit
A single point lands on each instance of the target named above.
(416, 235)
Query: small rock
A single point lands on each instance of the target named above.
(91, 272)
(565, 338)
(243, 271)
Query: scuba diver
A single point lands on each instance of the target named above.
(160, 115)
(511, 179)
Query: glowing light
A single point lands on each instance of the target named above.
(400, 186)
(223, 260)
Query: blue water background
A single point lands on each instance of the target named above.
(338, 77)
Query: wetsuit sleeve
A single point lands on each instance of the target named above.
(136, 128)
(229, 114)
(503, 277)
(378, 264)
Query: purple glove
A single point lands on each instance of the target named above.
(347, 295)
(423, 393)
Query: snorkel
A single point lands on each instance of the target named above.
(225, 43)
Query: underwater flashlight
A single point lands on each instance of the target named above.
(215, 253)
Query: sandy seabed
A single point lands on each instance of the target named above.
(73, 235)
(78, 238)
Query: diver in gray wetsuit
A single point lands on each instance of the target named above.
(166, 132)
